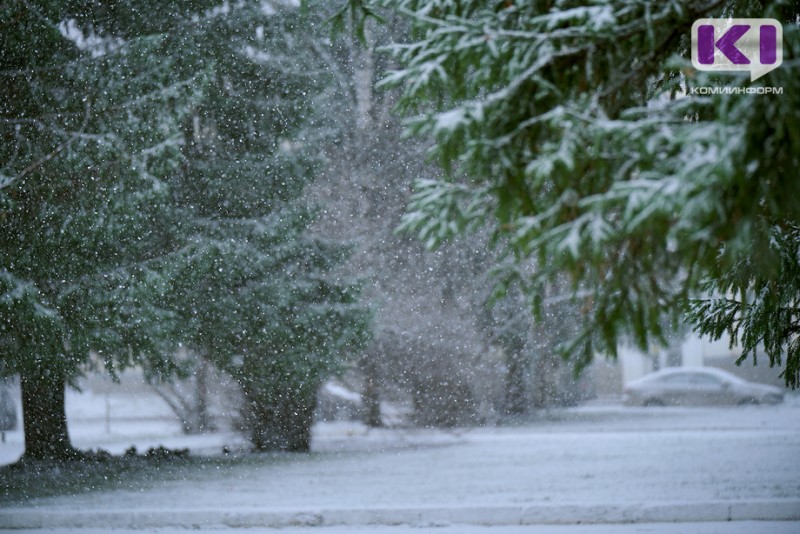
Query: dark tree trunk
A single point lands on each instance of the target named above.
(44, 416)
(516, 398)
(546, 391)
(372, 401)
(297, 433)
(282, 423)
(203, 418)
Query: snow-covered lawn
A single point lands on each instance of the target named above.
(606, 464)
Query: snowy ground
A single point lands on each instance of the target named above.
(595, 464)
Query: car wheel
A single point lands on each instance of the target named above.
(654, 402)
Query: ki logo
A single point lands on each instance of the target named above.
(730, 45)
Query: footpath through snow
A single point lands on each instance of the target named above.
(587, 465)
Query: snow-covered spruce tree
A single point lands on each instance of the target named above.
(89, 120)
(94, 223)
(255, 293)
(571, 129)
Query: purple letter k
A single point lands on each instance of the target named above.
(726, 44)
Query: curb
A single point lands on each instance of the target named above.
(663, 512)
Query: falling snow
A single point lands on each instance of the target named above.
(390, 263)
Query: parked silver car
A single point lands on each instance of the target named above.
(697, 386)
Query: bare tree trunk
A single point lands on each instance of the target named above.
(363, 89)
(188, 400)
(363, 85)
(548, 368)
(201, 405)
(516, 398)
(44, 416)
(372, 401)
(540, 381)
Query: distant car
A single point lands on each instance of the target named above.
(8, 413)
(697, 386)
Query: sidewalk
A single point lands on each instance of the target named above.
(417, 517)
(742, 527)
